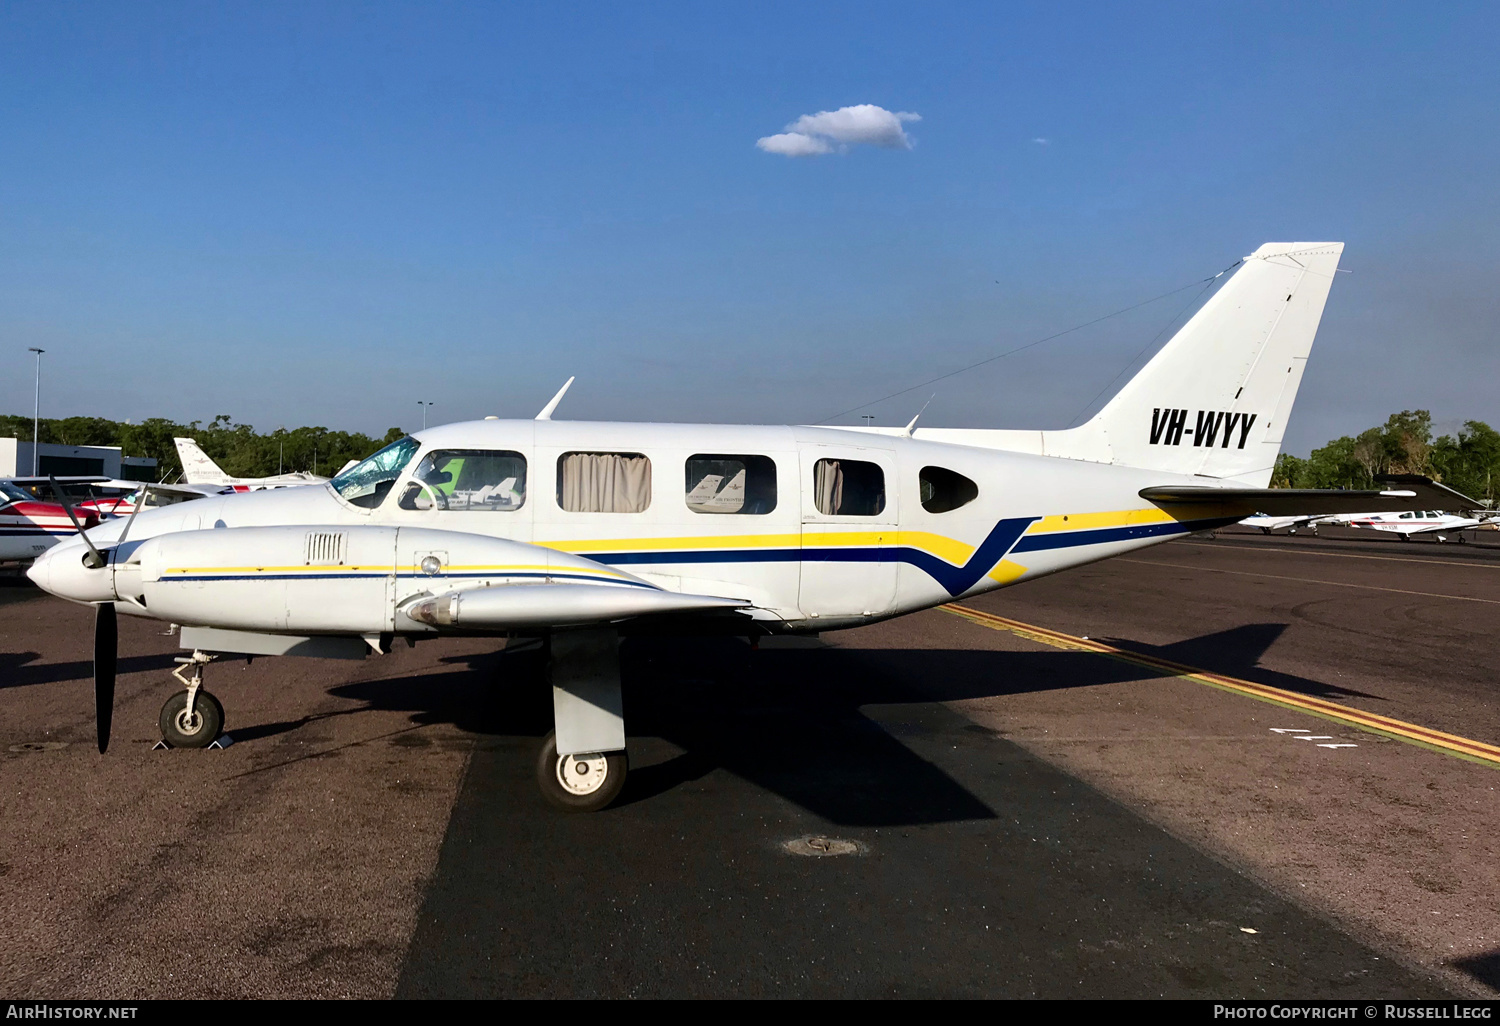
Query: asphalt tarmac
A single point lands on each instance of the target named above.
(1027, 818)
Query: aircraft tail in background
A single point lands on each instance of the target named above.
(197, 468)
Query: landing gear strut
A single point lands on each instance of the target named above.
(191, 718)
(582, 764)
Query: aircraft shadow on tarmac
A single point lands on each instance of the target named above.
(1485, 968)
(831, 729)
(21, 669)
(1237, 652)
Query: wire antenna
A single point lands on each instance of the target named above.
(1032, 345)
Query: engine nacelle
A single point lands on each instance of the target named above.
(554, 605)
(334, 579)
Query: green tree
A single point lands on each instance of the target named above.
(238, 448)
(1470, 463)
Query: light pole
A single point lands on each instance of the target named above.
(424, 406)
(36, 413)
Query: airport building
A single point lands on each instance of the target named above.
(74, 461)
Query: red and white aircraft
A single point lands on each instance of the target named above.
(29, 526)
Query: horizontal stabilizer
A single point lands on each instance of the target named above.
(1415, 493)
(555, 605)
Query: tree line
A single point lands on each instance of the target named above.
(238, 448)
(1468, 461)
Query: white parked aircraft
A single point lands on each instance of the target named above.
(198, 468)
(579, 532)
(1290, 524)
(1414, 522)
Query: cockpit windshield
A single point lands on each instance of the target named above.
(366, 483)
(9, 493)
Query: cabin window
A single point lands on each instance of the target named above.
(467, 480)
(848, 488)
(945, 490)
(367, 482)
(731, 484)
(603, 482)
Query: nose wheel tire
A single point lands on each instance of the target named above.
(180, 730)
(579, 783)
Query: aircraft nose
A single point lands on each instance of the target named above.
(61, 571)
(40, 572)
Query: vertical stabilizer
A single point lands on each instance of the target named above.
(1214, 401)
(197, 468)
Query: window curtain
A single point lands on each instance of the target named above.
(605, 482)
(828, 486)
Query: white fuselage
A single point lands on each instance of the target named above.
(795, 565)
(1410, 522)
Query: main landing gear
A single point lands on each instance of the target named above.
(582, 763)
(192, 718)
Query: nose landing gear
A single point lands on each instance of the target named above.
(192, 718)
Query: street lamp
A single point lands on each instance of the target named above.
(36, 413)
(424, 406)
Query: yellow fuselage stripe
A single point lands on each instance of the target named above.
(828, 535)
(1451, 744)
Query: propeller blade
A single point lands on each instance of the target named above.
(95, 559)
(106, 644)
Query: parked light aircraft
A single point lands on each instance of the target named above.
(198, 468)
(1290, 524)
(580, 532)
(29, 526)
(1413, 522)
(32, 519)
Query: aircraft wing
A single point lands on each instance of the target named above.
(1412, 493)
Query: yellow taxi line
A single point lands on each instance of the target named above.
(1449, 744)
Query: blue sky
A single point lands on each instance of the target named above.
(321, 213)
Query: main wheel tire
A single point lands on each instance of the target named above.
(198, 731)
(579, 783)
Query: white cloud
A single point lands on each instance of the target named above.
(823, 132)
(1041, 141)
(794, 144)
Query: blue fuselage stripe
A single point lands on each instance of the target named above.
(1007, 537)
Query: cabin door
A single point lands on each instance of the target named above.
(848, 531)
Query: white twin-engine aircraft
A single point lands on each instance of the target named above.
(579, 532)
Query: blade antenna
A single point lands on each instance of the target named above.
(546, 413)
(913, 425)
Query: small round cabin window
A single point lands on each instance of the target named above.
(944, 490)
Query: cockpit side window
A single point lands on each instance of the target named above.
(467, 480)
(367, 482)
(9, 493)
